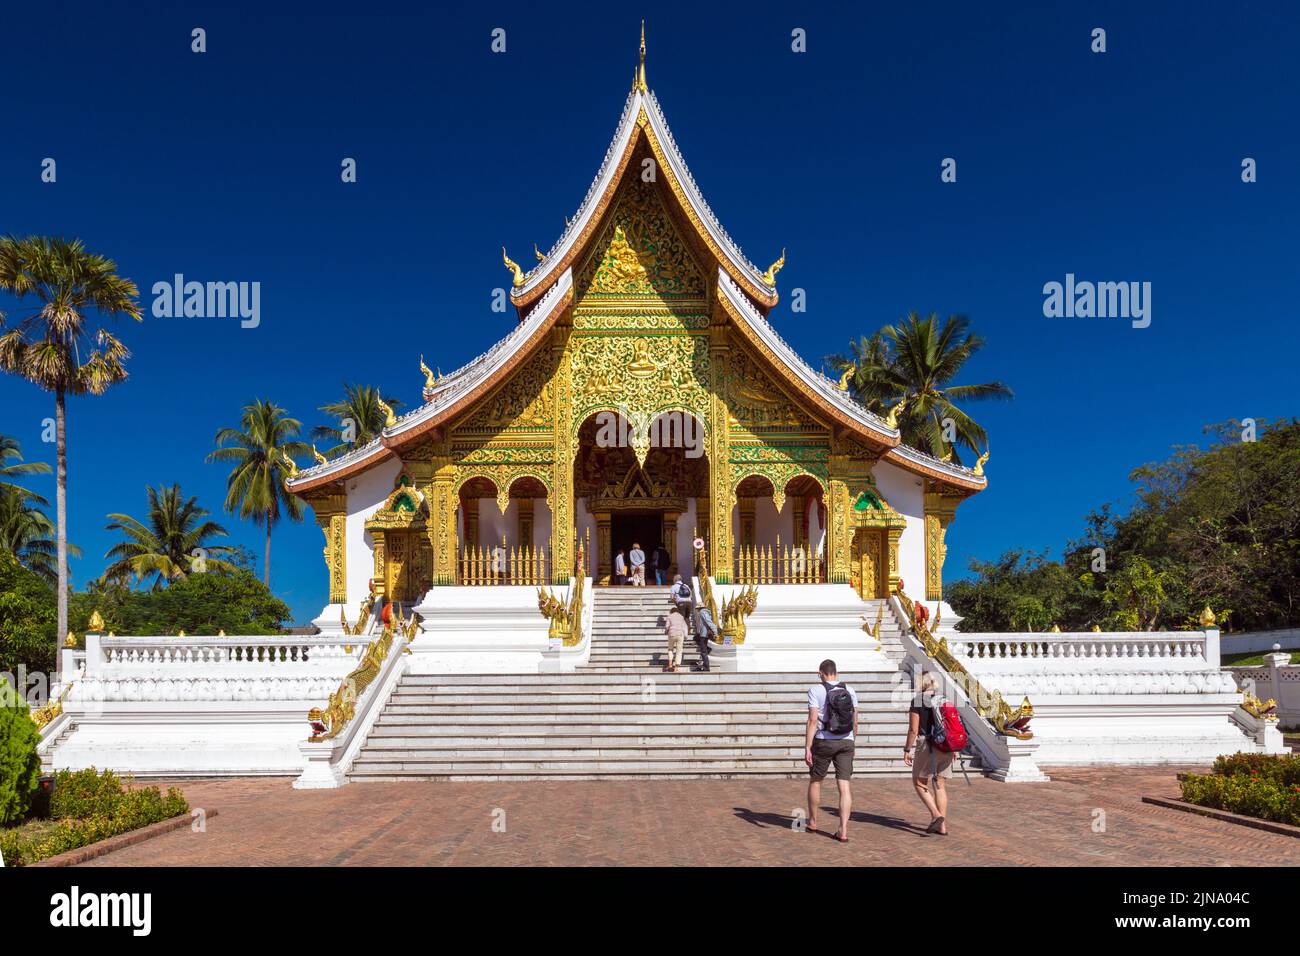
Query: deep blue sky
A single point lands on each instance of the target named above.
(225, 166)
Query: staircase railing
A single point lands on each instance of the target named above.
(998, 732)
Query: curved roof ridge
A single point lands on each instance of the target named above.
(687, 179)
(787, 353)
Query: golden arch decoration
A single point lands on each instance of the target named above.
(503, 478)
(641, 424)
(779, 476)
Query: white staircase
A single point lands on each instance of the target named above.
(619, 716)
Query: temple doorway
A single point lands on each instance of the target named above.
(632, 527)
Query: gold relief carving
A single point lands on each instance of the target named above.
(525, 400)
(755, 400)
(337, 556)
(640, 253)
(596, 319)
(940, 509)
(561, 499)
(639, 376)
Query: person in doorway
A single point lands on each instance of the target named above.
(930, 767)
(705, 631)
(662, 563)
(620, 568)
(675, 629)
(637, 559)
(828, 738)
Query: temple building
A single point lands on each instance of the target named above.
(644, 397)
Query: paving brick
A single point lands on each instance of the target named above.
(701, 823)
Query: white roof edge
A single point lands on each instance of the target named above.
(456, 384)
(604, 176)
(794, 361)
(827, 388)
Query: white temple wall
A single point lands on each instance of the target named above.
(905, 493)
(366, 493)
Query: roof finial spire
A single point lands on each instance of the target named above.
(638, 78)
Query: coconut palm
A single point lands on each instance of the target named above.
(262, 449)
(28, 534)
(359, 407)
(54, 346)
(169, 544)
(10, 450)
(905, 373)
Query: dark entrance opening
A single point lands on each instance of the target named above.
(630, 527)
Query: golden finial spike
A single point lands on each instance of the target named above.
(638, 76)
(769, 276)
(513, 267)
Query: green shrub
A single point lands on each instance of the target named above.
(20, 766)
(88, 806)
(1282, 768)
(1253, 796)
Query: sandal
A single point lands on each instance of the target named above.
(934, 826)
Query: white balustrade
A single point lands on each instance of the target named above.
(1150, 647)
(182, 652)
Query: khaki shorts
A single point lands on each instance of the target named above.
(928, 762)
(824, 752)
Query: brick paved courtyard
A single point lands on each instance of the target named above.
(701, 822)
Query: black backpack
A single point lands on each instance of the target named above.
(837, 716)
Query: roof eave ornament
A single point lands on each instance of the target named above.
(769, 277)
(638, 75)
(513, 267)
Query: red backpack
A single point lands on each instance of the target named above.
(947, 732)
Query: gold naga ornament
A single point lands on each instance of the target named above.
(431, 378)
(390, 419)
(538, 253)
(769, 276)
(317, 456)
(892, 418)
(290, 465)
(513, 267)
(980, 463)
(843, 383)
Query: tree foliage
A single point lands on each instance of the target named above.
(198, 604)
(1218, 526)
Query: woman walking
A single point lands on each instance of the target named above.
(675, 628)
(927, 763)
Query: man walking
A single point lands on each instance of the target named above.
(832, 723)
(637, 559)
(705, 631)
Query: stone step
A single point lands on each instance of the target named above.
(690, 699)
(411, 738)
(772, 732)
(670, 765)
(588, 710)
(404, 750)
(694, 680)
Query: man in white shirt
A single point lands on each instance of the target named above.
(637, 557)
(832, 724)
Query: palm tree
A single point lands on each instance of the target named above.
(54, 348)
(360, 407)
(164, 544)
(10, 449)
(904, 371)
(28, 534)
(262, 452)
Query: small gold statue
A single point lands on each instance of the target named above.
(769, 276)
(513, 267)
